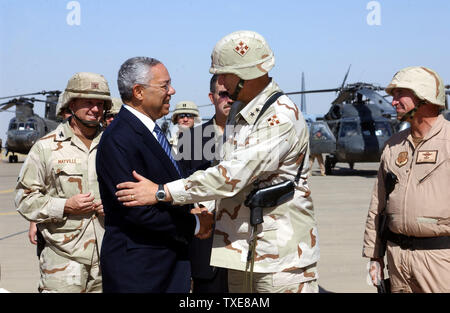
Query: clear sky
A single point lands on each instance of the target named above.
(40, 50)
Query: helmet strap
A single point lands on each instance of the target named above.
(89, 124)
(410, 114)
(238, 89)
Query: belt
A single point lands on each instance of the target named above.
(419, 243)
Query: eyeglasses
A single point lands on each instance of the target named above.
(188, 115)
(165, 87)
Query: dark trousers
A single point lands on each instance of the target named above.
(218, 284)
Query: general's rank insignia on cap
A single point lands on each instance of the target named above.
(426, 156)
(94, 85)
(242, 48)
(402, 159)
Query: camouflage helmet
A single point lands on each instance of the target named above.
(59, 110)
(424, 82)
(86, 86)
(116, 105)
(243, 53)
(185, 107)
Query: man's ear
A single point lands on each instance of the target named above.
(210, 95)
(71, 105)
(138, 92)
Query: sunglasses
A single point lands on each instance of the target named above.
(224, 94)
(183, 115)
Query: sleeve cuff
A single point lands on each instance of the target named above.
(56, 209)
(197, 225)
(178, 192)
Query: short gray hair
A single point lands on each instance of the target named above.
(134, 71)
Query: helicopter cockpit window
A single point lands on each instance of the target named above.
(30, 126)
(21, 126)
(349, 129)
(382, 129)
(319, 132)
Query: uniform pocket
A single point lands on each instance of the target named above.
(68, 179)
(433, 170)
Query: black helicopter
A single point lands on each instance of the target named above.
(356, 126)
(446, 112)
(27, 127)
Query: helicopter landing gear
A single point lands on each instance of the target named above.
(13, 159)
(330, 162)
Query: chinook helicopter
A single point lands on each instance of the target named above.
(27, 127)
(356, 127)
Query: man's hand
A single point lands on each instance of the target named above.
(376, 270)
(79, 204)
(98, 208)
(206, 222)
(32, 233)
(137, 194)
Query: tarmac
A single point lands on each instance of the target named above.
(341, 202)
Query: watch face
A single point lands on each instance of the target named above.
(160, 195)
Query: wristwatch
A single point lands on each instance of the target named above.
(160, 194)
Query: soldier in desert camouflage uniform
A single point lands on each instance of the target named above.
(57, 188)
(265, 153)
(113, 111)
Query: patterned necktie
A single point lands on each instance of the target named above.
(165, 145)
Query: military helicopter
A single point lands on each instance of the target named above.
(27, 127)
(356, 127)
(446, 112)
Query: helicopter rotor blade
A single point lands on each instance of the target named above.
(8, 104)
(311, 91)
(345, 77)
(43, 92)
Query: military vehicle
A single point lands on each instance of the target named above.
(446, 112)
(356, 127)
(27, 127)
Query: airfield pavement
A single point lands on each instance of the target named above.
(341, 202)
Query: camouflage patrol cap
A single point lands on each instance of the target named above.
(424, 82)
(186, 107)
(243, 53)
(116, 105)
(86, 85)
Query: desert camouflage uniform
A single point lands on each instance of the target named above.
(270, 152)
(58, 167)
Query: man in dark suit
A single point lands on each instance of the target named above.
(207, 138)
(145, 247)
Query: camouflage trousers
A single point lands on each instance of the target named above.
(62, 275)
(296, 281)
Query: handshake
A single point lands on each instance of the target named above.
(206, 220)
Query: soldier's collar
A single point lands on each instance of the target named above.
(65, 132)
(434, 130)
(251, 111)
